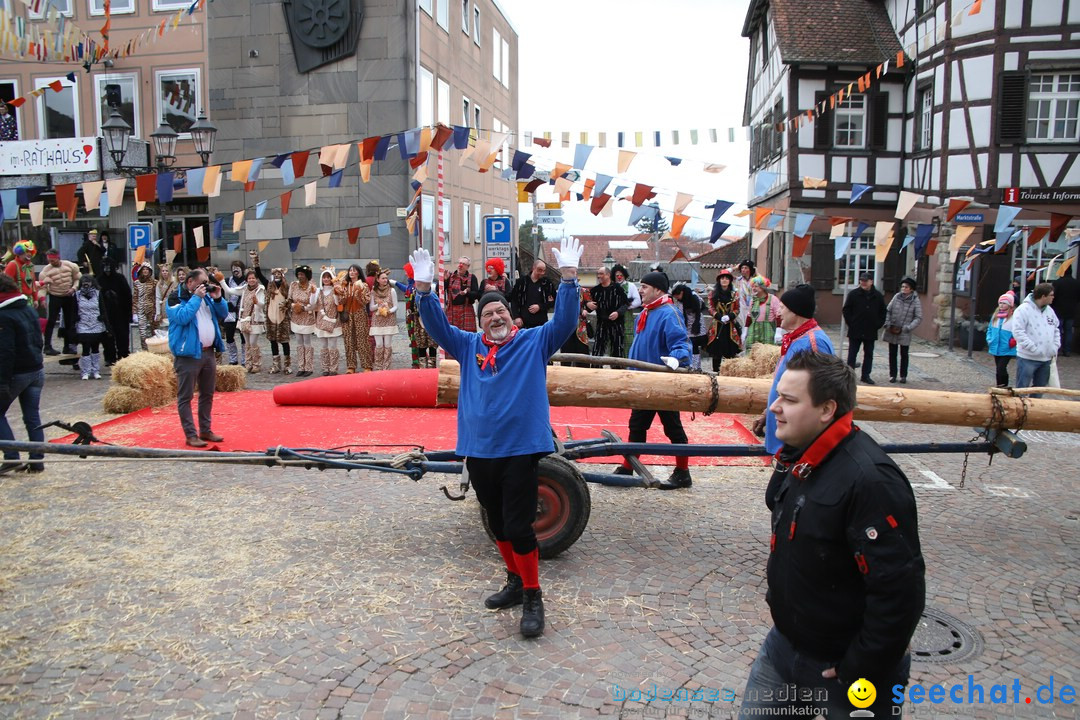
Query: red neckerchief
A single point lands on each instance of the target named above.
(490, 359)
(785, 342)
(825, 443)
(662, 300)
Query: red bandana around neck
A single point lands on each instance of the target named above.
(824, 444)
(785, 342)
(4, 297)
(494, 348)
(662, 300)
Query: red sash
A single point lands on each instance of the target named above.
(490, 358)
(785, 342)
(662, 300)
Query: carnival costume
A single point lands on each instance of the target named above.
(144, 303)
(383, 306)
(302, 321)
(278, 312)
(327, 322)
(356, 324)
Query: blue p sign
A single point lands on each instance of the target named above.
(140, 234)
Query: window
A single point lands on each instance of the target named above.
(478, 219)
(466, 213)
(924, 121)
(61, 6)
(850, 122)
(425, 5)
(58, 112)
(859, 258)
(466, 111)
(442, 105)
(425, 98)
(447, 225)
(1054, 108)
(178, 98)
(171, 4)
(496, 54)
(116, 7)
(427, 227)
(476, 117)
(9, 90)
(923, 6)
(119, 91)
(505, 64)
(465, 13)
(764, 41)
(476, 24)
(442, 14)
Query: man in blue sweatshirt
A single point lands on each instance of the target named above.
(660, 338)
(504, 423)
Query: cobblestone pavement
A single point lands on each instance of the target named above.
(167, 590)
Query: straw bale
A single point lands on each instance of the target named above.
(146, 371)
(120, 399)
(231, 378)
(759, 363)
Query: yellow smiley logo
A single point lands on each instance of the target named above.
(862, 693)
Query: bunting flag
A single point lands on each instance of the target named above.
(682, 200)
(760, 214)
(165, 187)
(324, 239)
(294, 242)
(217, 228)
(299, 162)
(841, 247)
(210, 179)
(717, 233)
(37, 212)
(260, 209)
(905, 203)
(146, 187)
(763, 182)
(115, 188)
(195, 179)
(1058, 222)
(883, 240)
(237, 220)
(383, 229)
(625, 158)
(354, 235)
(1006, 214)
(802, 225)
(310, 192)
(799, 244)
(92, 193)
(857, 191)
(1065, 266)
(678, 222)
(65, 200)
(642, 193)
(199, 240)
(955, 206)
(859, 230)
(240, 171)
(923, 231)
(810, 183)
(837, 230)
(759, 237)
(958, 239)
(719, 208)
(1036, 235)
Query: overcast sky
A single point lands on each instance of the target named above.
(609, 65)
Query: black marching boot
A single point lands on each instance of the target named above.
(509, 596)
(532, 614)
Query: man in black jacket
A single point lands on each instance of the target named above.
(864, 313)
(1066, 299)
(532, 297)
(845, 574)
(22, 371)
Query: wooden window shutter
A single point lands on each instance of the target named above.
(879, 120)
(822, 123)
(822, 262)
(1012, 108)
(922, 274)
(894, 266)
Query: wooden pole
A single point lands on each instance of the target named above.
(584, 387)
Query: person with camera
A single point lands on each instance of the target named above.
(194, 336)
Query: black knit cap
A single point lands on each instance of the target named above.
(657, 280)
(491, 297)
(800, 300)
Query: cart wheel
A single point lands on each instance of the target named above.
(562, 509)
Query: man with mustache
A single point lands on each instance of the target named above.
(504, 424)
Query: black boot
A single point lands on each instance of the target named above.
(679, 478)
(10, 466)
(532, 614)
(509, 596)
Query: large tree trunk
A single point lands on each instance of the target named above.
(585, 387)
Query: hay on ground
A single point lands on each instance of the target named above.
(145, 371)
(120, 399)
(231, 378)
(759, 363)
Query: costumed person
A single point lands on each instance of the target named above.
(90, 254)
(91, 326)
(424, 348)
(302, 320)
(503, 371)
(278, 313)
(356, 320)
(660, 339)
(725, 335)
(609, 302)
(9, 128)
(763, 315)
(60, 278)
(21, 270)
(251, 318)
(234, 288)
(902, 316)
(22, 371)
(622, 277)
(578, 342)
(327, 323)
(144, 303)
(797, 308)
(371, 272)
(166, 285)
(383, 307)
(496, 280)
(116, 295)
(693, 313)
(462, 291)
(743, 290)
(1000, 342)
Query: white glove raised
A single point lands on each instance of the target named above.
(569, 253)
(726, 318)
(422, 266)
(670, 362)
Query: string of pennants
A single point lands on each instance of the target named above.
(60, 40)
(55, 86)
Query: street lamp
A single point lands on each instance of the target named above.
(203, 134)
(116, 132)
(164, 145)
(609, 261)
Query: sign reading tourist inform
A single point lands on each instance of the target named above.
(59, 155)
(1015, 195)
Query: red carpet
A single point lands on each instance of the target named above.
(251, 420)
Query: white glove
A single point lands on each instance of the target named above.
(569, 254)
(422, 266)
(670, 362)
(778, 335)
(726, 318)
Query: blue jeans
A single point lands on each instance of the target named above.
(782, 677)
(27, 388)
(1032, 373)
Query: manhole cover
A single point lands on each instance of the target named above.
(941, 638)
(925, 354)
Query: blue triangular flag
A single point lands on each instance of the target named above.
(70, 76)
(461, 137)
(1003, 238)
(260, 209)
(718, 230)
(719, 208)
(802, 223)
(526, 171)
(841, 247)
(520, 158)
(27, 195)
(412, 142)
(908, 237)
(1006, 214)
(279, 160)
(774, 220)
(10, 200)
(382, 147)
(103, 205)
(673, 160)
(294, 242)
(763, 182)
(232, 247)
(403, 145)
(217, 228)
(288, 174)
(859, 230)
(383, 229)
(618, 189)
(602, 182)
(640, 212)
(165, 187)
(195, 178)
(581, 155)
(335, 178)
(256, 168)
(508, 174)
(857, 191)
(154, 245)
(923, 231)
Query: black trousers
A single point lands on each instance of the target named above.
(56, 304)
(117, 343)
(641, 421)
(868, 354)
(1001, 365)
(903, 359)
(507, 488)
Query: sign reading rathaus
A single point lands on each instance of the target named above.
(322, 31)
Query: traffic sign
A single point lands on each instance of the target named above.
(549, 213)
(498, 229)
(549, 206)
(550, 220)
(140, 234)
(500, 250)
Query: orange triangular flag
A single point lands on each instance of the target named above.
(178, 243)
(65, 199)
(286, 198)
(442, 134)
(625, 158)
(677, 224)
(956, 206)
(240, 171)
(1057, 225)
(900, 59)
(299, 162)
(560, 168)
(760, 214)
(1036, 235)
(140, 255)
(354, 233)
(798, 245)
(202, 254)
(678, 256)
(976, 7)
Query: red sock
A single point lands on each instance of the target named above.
(507, 552)
(682, 463)
(626, 464)
(529, 569)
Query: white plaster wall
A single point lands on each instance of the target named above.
(1005, 165)
(1014, 11)
(961, 172)
(1046, 12)
(812, 165)
(1074, 12)
(859, 172)
(978, 76)
(888, 171)
(839, 170)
